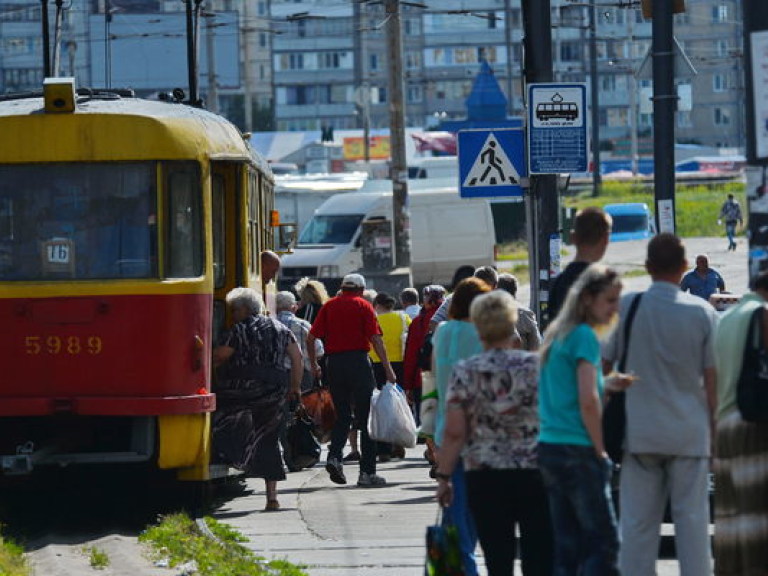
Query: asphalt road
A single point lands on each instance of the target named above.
(345, 530)
(629, 259)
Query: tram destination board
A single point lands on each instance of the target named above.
(557, 128)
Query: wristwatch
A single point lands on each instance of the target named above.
(441, 476)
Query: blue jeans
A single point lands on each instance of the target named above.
(458, 514)
(583, 520)
(730, 231)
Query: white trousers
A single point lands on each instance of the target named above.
(647, 481)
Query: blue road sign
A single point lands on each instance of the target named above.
(557, 128)
(491, 162)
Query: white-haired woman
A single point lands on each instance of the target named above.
(572, 457)
(253, 386)
(492, 420)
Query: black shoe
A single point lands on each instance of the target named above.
(398, 452)
(335, 468)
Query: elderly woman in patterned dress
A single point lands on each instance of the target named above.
(261, 367)
(492, 415)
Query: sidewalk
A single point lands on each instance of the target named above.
(345, 530)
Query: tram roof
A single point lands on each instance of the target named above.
(210, 133)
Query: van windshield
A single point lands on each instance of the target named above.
(331, 229)
(624, 223)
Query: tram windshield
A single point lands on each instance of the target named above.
(78, 221)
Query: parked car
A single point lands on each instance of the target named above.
(631, 221)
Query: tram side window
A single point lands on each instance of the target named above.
(77, 221)
(253, 221)
(184, 255)
(219, 233)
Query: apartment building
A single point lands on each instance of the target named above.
(309, 64)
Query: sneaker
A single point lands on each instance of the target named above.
(335, 468)
(352, 457)
(366, 480)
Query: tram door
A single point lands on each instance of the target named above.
(225, 213)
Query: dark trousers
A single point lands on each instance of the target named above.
(501, 499)
(350, 379)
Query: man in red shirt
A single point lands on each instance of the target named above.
(348, 327)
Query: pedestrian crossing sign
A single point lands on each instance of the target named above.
(491, 162)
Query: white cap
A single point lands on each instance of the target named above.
(353, 281)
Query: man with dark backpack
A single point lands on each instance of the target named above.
(741, 497)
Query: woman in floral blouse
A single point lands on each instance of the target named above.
(492, 421)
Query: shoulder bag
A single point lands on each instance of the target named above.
(615, 413)
(752, 385)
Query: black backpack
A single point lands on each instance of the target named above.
(752, 386)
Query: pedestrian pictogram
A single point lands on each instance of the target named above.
(490, 162)
(492, 167)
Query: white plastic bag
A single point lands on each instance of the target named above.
(390, 419)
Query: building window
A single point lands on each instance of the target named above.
(720, 13)
(722, 48)
(262, 40)
(645, 120)
(373, 61)
(292, 61)
(412, 60)
(570, 51)
(684, 120)
(415, 94)
(722, 116)
(719, 82)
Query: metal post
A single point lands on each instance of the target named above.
(210, 49)
(191, 53)
(544, 203)
(595, 100)
(46, 41)
(508, 42)
(664, 105)
(398, 168)
(247, 96)
(57, 37)
(632, 98)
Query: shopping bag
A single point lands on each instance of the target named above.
(390, 419)
(319, 407)
(443, 549)
(428, 410)
(304, 448)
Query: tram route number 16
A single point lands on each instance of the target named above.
(58, 252)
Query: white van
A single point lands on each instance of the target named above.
(446, 232)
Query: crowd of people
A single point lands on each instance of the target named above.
(513, 419)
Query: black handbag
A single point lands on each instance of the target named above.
(752, 385)
(305, 449)
(615, 412)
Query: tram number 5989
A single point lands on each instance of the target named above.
(71, 345)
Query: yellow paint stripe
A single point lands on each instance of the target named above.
(104, 288)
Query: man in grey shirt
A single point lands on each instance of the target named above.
(670, 416)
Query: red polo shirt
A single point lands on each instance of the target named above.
(346, 323)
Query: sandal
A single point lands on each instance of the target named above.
(272, 506)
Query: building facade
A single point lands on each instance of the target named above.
(313, 64)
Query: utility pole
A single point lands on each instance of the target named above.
(46, 40)
(595, 100)
(664, 105)
(247, 98)
(210, 54)
(632, 98)
(398, 167)
(508, 42)
(57, 37)
(543, 203)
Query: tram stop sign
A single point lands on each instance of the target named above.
(491, 162)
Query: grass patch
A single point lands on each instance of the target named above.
(12, 562)
(636, 273)
(98, 559)
(517, 250)
(697, 206)
(177, 539)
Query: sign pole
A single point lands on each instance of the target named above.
(544, 214)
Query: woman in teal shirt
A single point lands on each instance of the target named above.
(572, 457)
(456, 340)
